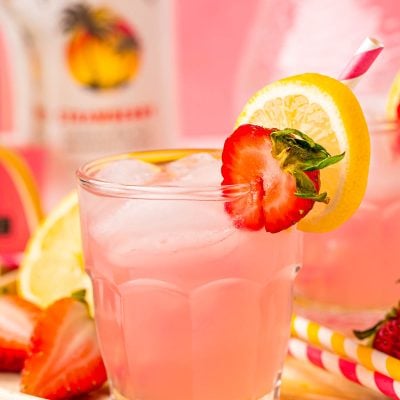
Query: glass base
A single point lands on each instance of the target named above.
(337, 318)
(273, 395)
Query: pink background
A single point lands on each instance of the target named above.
(229, 49)
(211, 39)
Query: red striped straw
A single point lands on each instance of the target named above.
(361, 61)
(343, 367)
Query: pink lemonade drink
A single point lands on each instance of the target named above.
(352, 273)
(188, 306)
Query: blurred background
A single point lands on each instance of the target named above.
(84, 78)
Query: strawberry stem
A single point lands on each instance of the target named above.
(79, 295)
(298, 153)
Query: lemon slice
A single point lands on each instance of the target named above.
(327, 111)
(393, 103)
(52, 266)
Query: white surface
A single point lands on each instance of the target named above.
(9, 390)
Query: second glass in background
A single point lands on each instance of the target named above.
(351, 275)
(297, 34)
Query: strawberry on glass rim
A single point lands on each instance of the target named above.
(286, 136)
(282, 170)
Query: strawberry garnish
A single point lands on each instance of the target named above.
(17, 320)
(385, 334)
(64, 359)
(281, 169)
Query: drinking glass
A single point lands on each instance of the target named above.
(187, 306)
(351, 275)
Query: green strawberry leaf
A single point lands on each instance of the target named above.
(330, 160)
(392, 314)
(319, 197)
(79, 295)
(370, 332)
(367, 332)
(306, 188)
(297, 153)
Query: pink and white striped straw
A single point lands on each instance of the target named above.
(361, 61)
(348, 369)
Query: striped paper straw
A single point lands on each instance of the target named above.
(343, 346)
(361, 61)
(343, 367)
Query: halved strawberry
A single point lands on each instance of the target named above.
(17, 320)
(64, 359)
(281, 169)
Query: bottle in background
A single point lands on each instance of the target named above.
(105, 75)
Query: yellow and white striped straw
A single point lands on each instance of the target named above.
(316, 334)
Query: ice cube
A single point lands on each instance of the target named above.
(129, 172)
(150, 225)
(200, 169)
(138, 225)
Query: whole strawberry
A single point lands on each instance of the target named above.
(64, 360)
(385, 334)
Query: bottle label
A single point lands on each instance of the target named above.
(105, 74)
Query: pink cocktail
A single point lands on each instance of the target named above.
(188, 307)
(352, 273)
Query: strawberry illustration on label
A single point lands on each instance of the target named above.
(103, 50)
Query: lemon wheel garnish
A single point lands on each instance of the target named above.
(52, 266)
(327, 111)
(393, 103)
